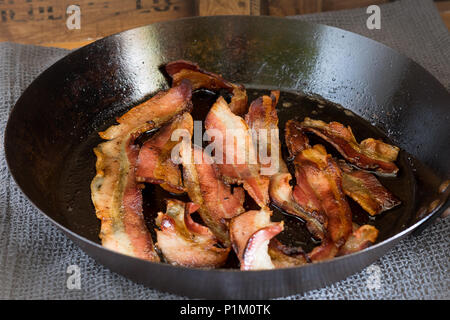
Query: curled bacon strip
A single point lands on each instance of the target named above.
(250, 235)
(317, 196)
(238, 154)
(155, 164)
(199, 78)
(370, 154)
(114, 191)
(185, 242)
(282, 196)
(323, 176)
(262, 119)
(300, 200)
(360, 239)
(217, 202)
(366, 190)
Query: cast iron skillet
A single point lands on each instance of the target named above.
(52, 129)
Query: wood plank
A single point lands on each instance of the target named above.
(38, 21)
(331, 5)
(444, 10)
(293, 7)
(228, 7)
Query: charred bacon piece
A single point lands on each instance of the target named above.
(238, 154)
(360, 239)
(250, 234)
(185, 242)
(366, 190)
(155, 164)
(262, 119)
(114, 191)
(370, 154)
(199, 78)
(217, 202)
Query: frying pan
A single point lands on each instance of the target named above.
(52, 129)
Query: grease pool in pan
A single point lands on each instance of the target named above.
(76, 179)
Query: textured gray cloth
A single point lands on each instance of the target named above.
(34, 255)
(412, 27)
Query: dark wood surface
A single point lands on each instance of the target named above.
(43, 22)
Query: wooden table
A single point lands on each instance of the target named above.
(44, 22)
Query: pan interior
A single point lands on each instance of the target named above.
(73, 193)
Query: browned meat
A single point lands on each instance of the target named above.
(370, 154)
(365, 189)
(250, 234)
(155, 164)
(185, 242)
(217, 202)
(181, 69)
(237, 151)
(360, 239)
(114, 191)
(262, 120)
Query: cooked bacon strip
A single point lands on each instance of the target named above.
(317, 196)
(237, 141)
(199, 78)
(370, 154)
(262, 119)
(250, 234)
(205, 188)
(155, 164)
(281, 194)
(157, 110)
(300, 200)
(115, 194)
(296, 140)
(366, 190)
(360, 239)
(323, 176)
(185, 242)
(284, 257)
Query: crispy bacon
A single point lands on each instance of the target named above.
(281, 194)
(114, 191)
(155, 164)
(317, 196)
(300, 200)
(284, 257)
(185, 242)
(323, 176)
(239, 157)
(250, 234)
(366, 190)
(296, 140)
(370, 154)
(199, 78)
(360, 239)
(217, 202)
(157, 110)
(262, 119)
